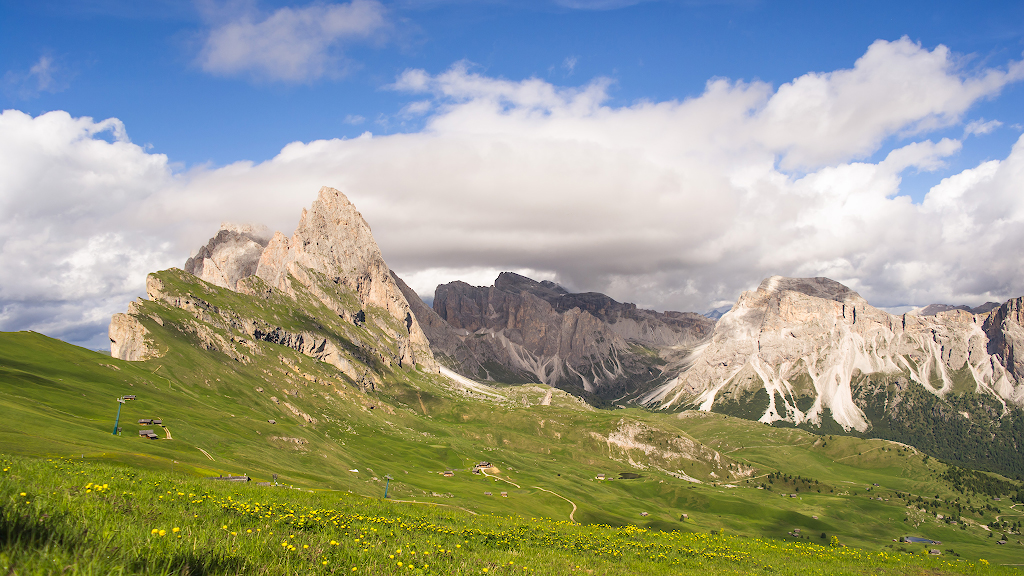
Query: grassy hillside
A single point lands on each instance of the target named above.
(73, 516)
(60, 401)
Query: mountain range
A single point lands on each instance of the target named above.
(805, 352)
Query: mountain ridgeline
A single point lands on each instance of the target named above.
(801, 352)
(805, 352)
(326, 292)
(520, 330)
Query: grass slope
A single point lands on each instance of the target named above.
(71, 516)
(59, 401)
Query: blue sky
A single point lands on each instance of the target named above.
(670, 153)
(136, 61)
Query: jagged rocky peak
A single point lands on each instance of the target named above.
(512, 282)
(330, 270)
(333, 242)
(231, 255)
(520, 329)
(817, 287)
(933, 309)
(806, 349)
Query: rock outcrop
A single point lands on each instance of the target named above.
(326, 293)
(334, 242)
(129, 339)
(795, 349)
(231, 255)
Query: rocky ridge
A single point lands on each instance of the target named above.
(233, 254)
(325, 292)
(521, 330)
(803, 349)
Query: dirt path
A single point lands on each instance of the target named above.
(852, 455)
(571, 514)
(1012, 507)
(547, 398)
(499, 478)
(205, 452)
(168, 432)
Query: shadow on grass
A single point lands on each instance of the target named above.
(26, 537)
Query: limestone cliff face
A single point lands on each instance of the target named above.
(332, 293)
(129, 339)
(231, 255)
(334, 242)
(807, 342)
(520, 329)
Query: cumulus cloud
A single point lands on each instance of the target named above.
(673, 205)
(73, 245)
(291, 44)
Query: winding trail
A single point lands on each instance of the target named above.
(205, 452)
(168, 432)
(1012, 507)
(571, 514)
(500, 478)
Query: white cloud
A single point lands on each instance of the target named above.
(74, 246)
(980, 127)
(418, 108)
(354, 119)
(570, 64)
(292, 44)
(675, 205)
(43, 76)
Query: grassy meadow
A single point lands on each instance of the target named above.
(757, 499)
(67, 515)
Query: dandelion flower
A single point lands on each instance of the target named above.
(23, 494)
(305, 546)
(154, 531)
(175, 529)
(163, 532)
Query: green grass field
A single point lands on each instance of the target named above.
(74, 516)
(59, 402)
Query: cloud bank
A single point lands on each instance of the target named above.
(673, 205)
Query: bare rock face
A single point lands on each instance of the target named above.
(1005, 330)
(129, 339)
(523, 330)
(231, 255)
(334, 297)
(334, 242)
(797, 347)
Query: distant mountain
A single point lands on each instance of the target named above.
(811, 352)
(933, 309)
(717, 313)
(521, 330)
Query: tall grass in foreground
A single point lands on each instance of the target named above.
(64, 516)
